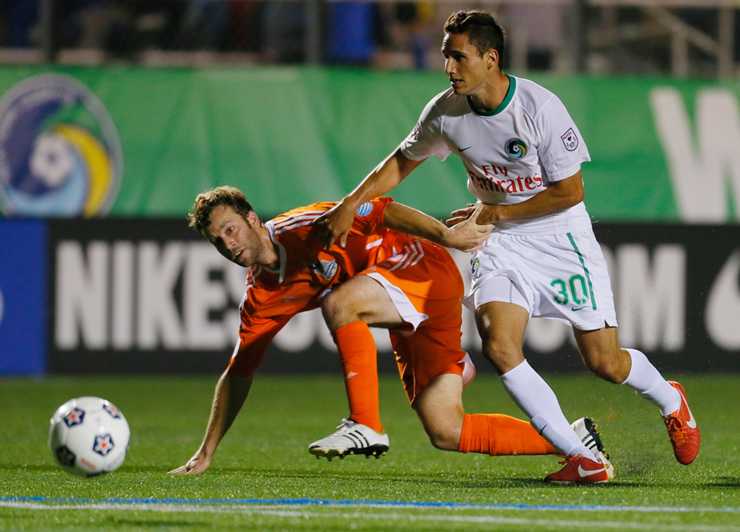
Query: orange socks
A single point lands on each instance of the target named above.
(498, 434)
(359, 359)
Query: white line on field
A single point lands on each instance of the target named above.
(369, 503)
(392, 516)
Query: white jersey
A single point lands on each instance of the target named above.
(510, 154)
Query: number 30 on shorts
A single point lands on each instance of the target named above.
(574, 290)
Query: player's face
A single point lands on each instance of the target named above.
(464, 65)
(235, 236)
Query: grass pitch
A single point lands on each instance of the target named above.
(263, 477)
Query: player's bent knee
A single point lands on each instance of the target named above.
(339, 309)
(502, 354)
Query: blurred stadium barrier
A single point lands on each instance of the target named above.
(678, 37)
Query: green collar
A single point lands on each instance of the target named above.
(502, 105)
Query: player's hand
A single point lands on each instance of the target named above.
(460, 215)
(469, 235)
(336, 223)
(198, 464)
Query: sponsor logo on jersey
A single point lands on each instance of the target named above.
(516, 148)
(60, 153)
(570, 139)
(507, 186)
(364, 209)
(326, 269)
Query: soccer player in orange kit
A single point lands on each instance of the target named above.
(389, 278)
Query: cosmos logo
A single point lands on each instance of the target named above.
(60, 153)
(516, 148)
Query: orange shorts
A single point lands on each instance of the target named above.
(427, 290)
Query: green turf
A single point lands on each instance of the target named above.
(264, 456)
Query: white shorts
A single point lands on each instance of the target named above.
(562, 276)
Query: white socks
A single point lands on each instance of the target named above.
(649, 382)
(535, 397)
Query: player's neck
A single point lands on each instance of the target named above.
(491, 94)
(270, 256)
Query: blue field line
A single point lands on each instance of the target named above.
(373, 503)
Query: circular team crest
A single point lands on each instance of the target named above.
(60, 153)
(364, 209)
(516, 148)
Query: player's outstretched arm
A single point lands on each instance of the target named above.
(231, 392)
(465, 236)
(389, 173)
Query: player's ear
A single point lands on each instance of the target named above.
(492, 57)
(253, 219)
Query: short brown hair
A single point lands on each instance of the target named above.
(481, 28)
(199, 216)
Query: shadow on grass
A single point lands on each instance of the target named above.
(724, 482)
(491, 482)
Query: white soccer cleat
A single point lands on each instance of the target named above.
(350, 438)
(587, 430)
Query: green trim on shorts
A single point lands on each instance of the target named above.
(585, 270)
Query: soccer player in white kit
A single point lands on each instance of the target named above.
(523, 155)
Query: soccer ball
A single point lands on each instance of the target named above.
(88, 436)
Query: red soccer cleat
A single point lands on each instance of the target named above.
(579, 470)
(683, 430)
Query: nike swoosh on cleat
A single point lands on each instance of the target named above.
(465, 148)
(691, 423)
(584, 473)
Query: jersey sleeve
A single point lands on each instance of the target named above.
(370, 215)
(255, 335)
(426, 139)
(561, 147)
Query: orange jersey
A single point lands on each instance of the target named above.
(306, 271)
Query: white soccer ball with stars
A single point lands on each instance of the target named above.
(89, 436)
